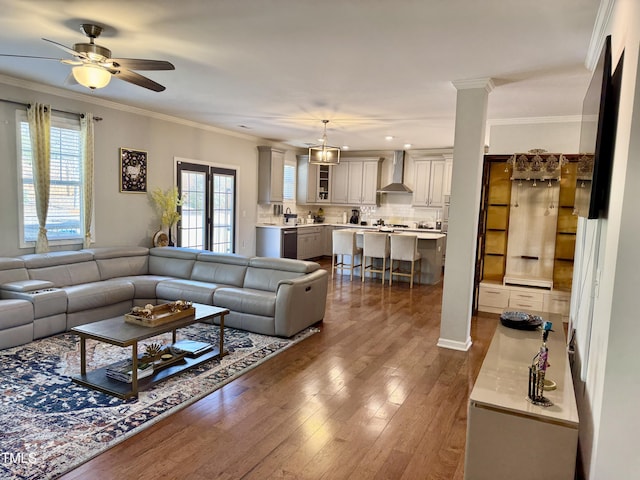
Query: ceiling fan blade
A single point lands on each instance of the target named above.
(137, 79)
(28, 56)
(141, 64)
(70, 51)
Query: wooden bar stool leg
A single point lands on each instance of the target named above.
(412, 271)
(333, 264)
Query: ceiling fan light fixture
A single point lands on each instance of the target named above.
(323, 153)
(91, 76)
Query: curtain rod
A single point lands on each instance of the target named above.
(28, 105)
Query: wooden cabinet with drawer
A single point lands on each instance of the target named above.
(496, 297)
(493, 298)
(526, 300)
(557, 302)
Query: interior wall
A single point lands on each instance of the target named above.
(128, 218)
(608, 388)
(556, 136)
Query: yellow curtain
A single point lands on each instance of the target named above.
(86, 126)
(39, 116)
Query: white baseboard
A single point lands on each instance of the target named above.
(455, 345)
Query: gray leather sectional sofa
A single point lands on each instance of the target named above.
(45, 294)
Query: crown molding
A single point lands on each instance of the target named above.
(486, 83)
(81, 97)
(599, 33)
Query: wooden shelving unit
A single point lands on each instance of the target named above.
(494, 218)
(493, 237)
(566, 227)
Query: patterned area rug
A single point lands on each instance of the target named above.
(50, 425)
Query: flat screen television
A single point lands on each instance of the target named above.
(597, 137)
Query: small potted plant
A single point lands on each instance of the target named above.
(166, 203)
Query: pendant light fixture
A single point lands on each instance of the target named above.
(323, 153)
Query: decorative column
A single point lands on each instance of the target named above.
(466, 183)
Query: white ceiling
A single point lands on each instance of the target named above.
(276, 68)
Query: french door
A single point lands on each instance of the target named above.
(208, 214)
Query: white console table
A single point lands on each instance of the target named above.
(507, 436)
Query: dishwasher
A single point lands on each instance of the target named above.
(289, 243)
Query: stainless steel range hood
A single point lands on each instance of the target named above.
(396, 185)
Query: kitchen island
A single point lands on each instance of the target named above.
(315, 239)
(430, 246)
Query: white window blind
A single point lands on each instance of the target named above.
(289, 189)
(64, 219)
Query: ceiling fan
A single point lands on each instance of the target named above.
(93, 66)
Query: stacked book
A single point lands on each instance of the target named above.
(192, 348)
(123, 371)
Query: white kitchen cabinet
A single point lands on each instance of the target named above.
(310, 242)
(370, 182)
(313, 185)
(340, 183)
(448, 172)
(270, 175)
(351, 182)
(429, 187)
(356, 181)
(354, 188)
(327, 240)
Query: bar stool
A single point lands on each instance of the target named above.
(375, 245)
(344, 243)
(404, 248)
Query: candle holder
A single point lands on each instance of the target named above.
(537, 371)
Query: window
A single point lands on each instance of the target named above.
(289, 189)
(64, 218)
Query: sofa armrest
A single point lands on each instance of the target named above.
(300, 302)
(27, 285)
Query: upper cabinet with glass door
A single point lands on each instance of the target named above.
(313, 182)
(354, 181)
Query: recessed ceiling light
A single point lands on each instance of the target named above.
(345, 147)
(388, 138)
(407, 145)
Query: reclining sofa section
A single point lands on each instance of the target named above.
(45, 294)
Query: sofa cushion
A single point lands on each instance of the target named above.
(145, 285)
(183, 289)
(246, 300)
(98, 294)
(14, 313)
(120, 261)
(220, 268)
(62, 268)
(172, 262)
(12, 270)
(40, 260)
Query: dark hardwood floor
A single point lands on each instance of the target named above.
(369, 397)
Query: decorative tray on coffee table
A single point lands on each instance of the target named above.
(154, 315)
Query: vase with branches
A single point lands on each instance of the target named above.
(166, 203)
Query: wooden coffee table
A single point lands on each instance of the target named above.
(118, 332)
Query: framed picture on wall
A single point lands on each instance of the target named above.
(133, 170)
